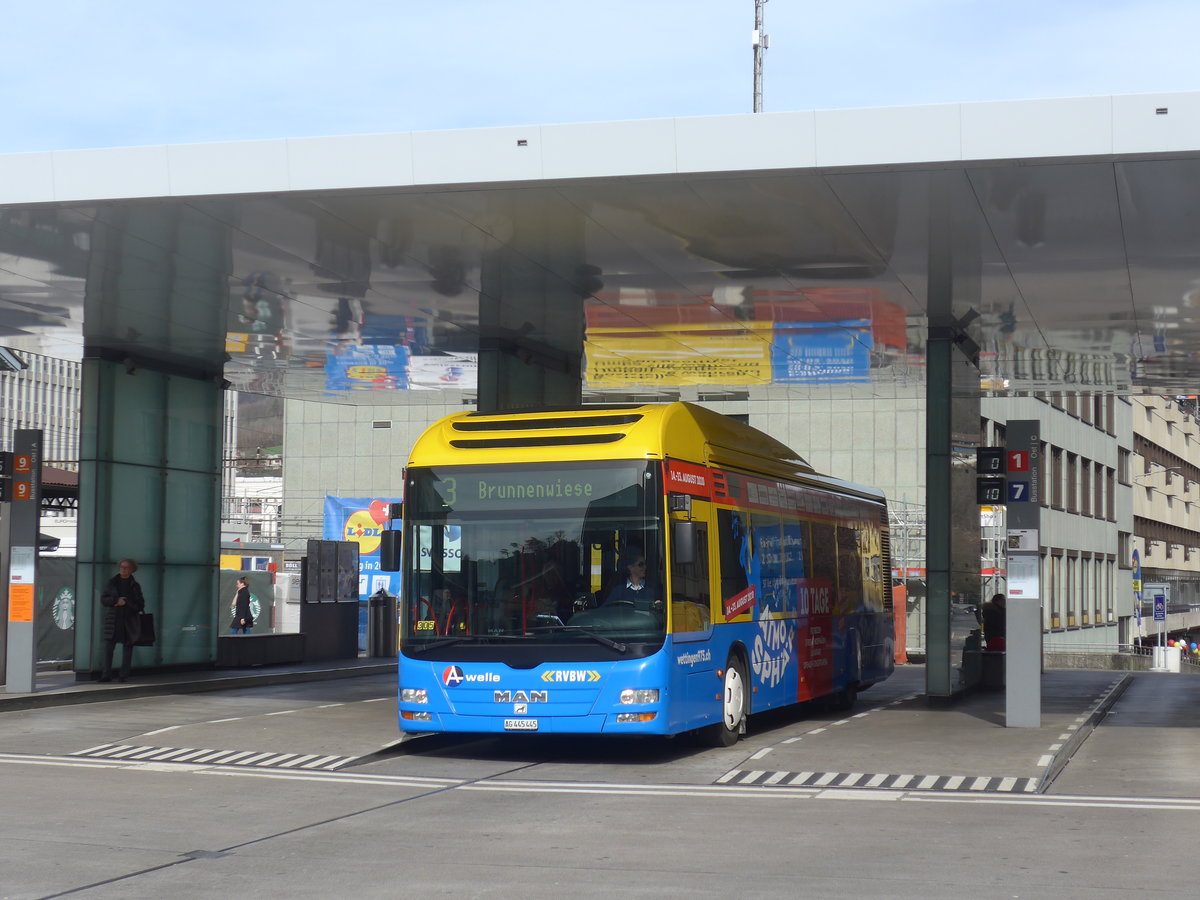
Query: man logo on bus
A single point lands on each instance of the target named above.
(453, 676)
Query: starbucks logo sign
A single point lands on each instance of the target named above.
(63, 608)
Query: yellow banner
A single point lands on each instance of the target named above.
(679, 355)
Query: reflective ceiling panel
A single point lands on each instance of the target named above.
(1073, 275)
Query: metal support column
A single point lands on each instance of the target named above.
(952, 430)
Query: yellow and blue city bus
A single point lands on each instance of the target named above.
(525, 610)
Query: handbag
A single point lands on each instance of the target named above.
(145, 630)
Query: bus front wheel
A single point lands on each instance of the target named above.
(734, 702)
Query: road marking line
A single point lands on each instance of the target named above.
(123, 753)
(277, 758)
(90, 750)
(315, 764)
(299, 759)
(192, 755)
(209, 757)
(112, 748)
(252, 760)
(759, 792)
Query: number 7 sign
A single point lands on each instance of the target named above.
(1018, 492)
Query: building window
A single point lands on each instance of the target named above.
(1085, 488)
(1056, 477)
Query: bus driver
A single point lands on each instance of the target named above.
(634, 588)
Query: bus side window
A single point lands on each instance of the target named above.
(730, 529)
(689, 588)
(824, 552)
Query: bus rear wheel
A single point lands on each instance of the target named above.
(734, 706)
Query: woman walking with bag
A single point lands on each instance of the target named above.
(123, 600)
(243, 618)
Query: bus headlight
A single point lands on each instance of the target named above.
(409, 716)
(643, 695)
(414, 695)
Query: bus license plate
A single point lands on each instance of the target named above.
(520, 724)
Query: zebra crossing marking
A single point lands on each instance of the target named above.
(1002, 784)
(207, 756)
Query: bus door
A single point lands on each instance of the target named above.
(693, 661)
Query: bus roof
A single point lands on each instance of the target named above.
(679, 430)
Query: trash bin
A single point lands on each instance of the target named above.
(381, 624)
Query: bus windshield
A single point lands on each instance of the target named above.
(512, 556)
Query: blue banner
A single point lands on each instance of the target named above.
(821, 352)
(368, 368)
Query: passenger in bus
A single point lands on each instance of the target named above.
(634, 588)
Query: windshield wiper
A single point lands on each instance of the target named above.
(579, 629)
(466, 638)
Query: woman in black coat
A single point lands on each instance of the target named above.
(243, 617)
(123, 600)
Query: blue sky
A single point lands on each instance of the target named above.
(82, 74)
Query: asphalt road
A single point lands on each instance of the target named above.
(304, 791)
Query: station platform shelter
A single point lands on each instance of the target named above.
(959, 252)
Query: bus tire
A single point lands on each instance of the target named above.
(735, 705)
(844, 700)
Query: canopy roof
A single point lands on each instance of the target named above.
(1073, 227)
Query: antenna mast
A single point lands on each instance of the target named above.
(760, 42)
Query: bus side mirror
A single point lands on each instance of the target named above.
(389, 551)
(683, 542)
